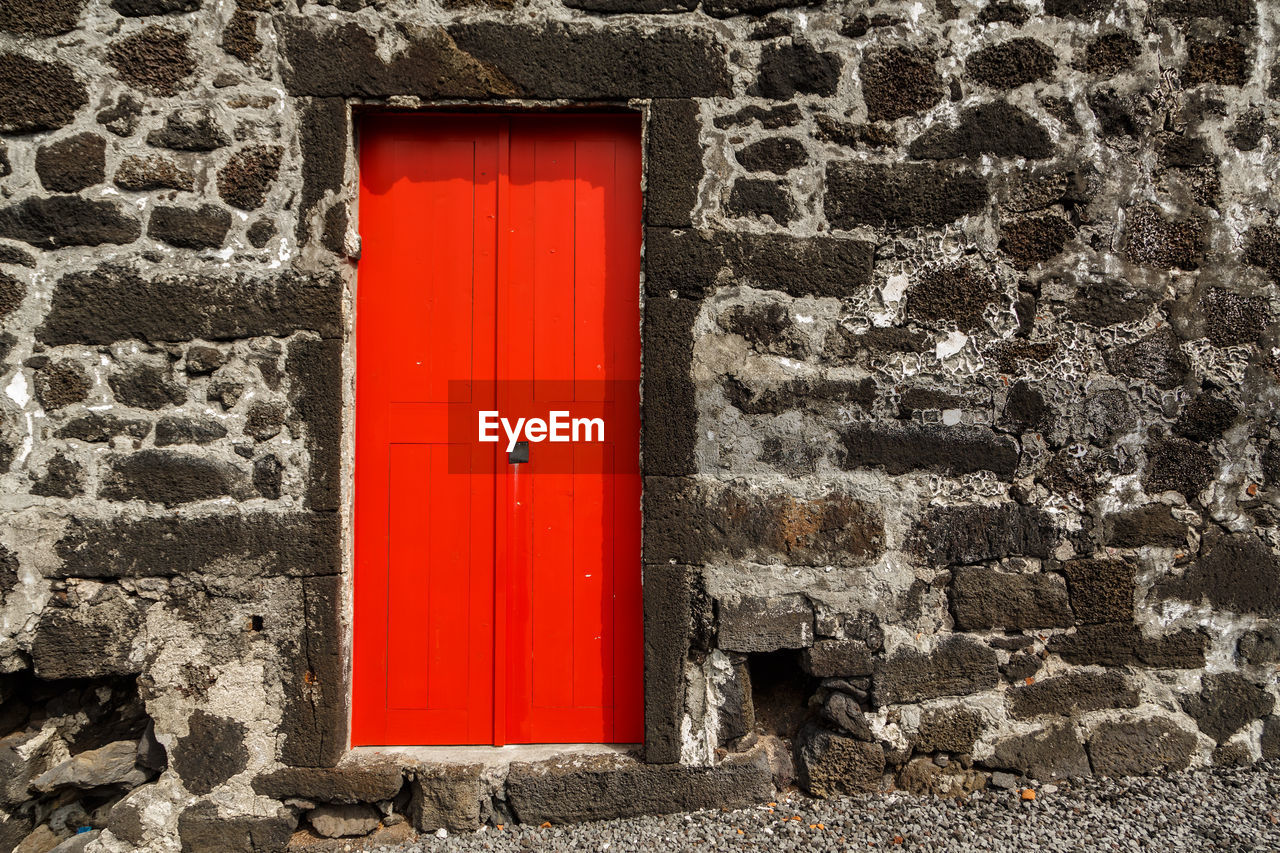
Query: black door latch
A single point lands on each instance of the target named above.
(520, 453)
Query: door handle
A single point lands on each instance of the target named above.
(519, 454)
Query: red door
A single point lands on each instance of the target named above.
(497, 601)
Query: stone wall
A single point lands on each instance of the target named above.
(961, 380)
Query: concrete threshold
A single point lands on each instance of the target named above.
(490, 756)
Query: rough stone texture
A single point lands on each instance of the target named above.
(210, 753)
(1225, 703)
(956, 666)
(156, 59)
(1133, 748)
(246, 178)
(37, 95)
(446, 796)
(344, 820)
(1072, 694)
(765, 625)
(829, 765)
(1234, 572)
(900, 196)
(1117, 644)
(72, 164)
(204, 227)
(350, 783)
(61, 221)
(573, 792)
(1101, 590)
(984, 598)
(1053, 753)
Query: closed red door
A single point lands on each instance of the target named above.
(497, 601)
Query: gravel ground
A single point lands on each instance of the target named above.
(1203, 810)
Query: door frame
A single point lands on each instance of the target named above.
(501, 567)
(317, 692)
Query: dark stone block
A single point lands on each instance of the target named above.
(1152, 240)
(12, 292)
(729, 8)
(1226, 703)
(668, 627)
(899, 81)
(900, 196)
(37, 95)
(1223, 61)
(264, 421)
(669, 422)
(314, 722)
(1261, 646)
(268, 474)
(446, 796)
(757, 198)
(153, 172)
(690, 263)
(837, 659)
(777, 154)
(854, 135)
(191, 129)
(641, 7)
(1025, 409)
(765, 624)
(8, 572)
(210, 753)
(845, 713)
(115, 303)
(251, 545)
(796, 68)
(240, 37)
(1138, 747)
(674, 169)
(203, 360)
(1119, 644)
(88, 642)
(599, 787)
(1249, 130)
(315, 393)
(996, 128)
(1206, 417)
(1271, 738)
(830, 765)
(1183, 152)
(1102, 590)
(951, 535)
(1231, 319)
(147, 386)
(481, 59)
(260, 233)
(40, 18)
(1237, 12)
(1117, 114)
(324, 150)
(1157, 358)
(1072, 694)
(1178, 465)
(1262, 249)
(246, 178)
(984, 598)
(770, 118)
(72, 164)
(952, 729)
(1110, 53)
(1052, 753)
(1020, 667)
(67, 220)
(1234, 571)
(63, 478)
(62, 383)
(95, 427)
(901, 447)
(203, 830)
(1035, 239)
(957, 666)
(675, 523)
(156, 59)
(762, 326)
(121, 118)
(800, 394)
(145, 8)
(203, 227)
(18, 257)
(1012, 63)
(953, 295)
(171, 478)
(352, 783)
(172, 430)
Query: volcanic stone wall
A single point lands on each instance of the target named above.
(961, 371)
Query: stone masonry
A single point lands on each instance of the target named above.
(962, 399)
